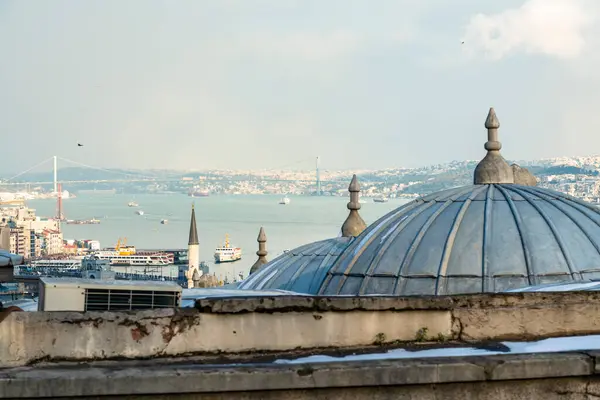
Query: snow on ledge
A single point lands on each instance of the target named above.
(553, 345)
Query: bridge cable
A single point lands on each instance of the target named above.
(27, 170)
(107, 170)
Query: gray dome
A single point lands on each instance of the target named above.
(301, 270)
(480, 238)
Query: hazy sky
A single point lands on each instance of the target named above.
(267, 83)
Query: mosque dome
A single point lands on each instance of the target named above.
(480, 238)
(301, 270)
(304, 268)
(501, 233)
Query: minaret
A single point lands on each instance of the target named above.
(354, 224)
(262, 251)
(193, 250)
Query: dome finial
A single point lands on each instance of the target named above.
(354, 224)
(262, 251)
(493, 168)
(492, 124)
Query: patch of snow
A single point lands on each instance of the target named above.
(560, 287)
(553, 345)
(189, 296)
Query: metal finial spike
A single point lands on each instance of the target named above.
(354, 189)
(354, 224)
(354, 186)
(192, 205)
(491, 122)
(261, 236)
(262, 251)
(493, 169)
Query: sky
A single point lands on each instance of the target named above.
(254, 84)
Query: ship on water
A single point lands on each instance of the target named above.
(127, 256)
(226, 253)
(196, 192)
(380, 199)
(284, 200)
(92, 221)
(132, 204)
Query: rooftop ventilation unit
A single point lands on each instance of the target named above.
(71, 294)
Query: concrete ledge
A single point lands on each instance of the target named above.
(287, 323)
(266, 304)
(129, 378)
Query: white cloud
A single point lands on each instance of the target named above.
(557, 28)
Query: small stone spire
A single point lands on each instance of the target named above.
(193, 238)
(493, 168)
(354, 224)
(262, 251)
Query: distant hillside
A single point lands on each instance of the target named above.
(77, 174)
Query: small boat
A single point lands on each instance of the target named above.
(139, 212)
(164, 221)
(285, 200)
(132, 204)
(380, 200)
(226, 253)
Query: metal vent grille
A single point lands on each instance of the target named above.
(119, 299)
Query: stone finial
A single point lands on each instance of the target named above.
(493, 168)
(523, 176)
(354, 224)
(262, 251)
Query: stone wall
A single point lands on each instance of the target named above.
(236, 326)
(503, 377)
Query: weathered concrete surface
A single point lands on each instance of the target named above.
(285, 323)
(506, 377)
(538, 389)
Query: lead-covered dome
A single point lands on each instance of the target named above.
(480, 238)
(301, 270)
(501, 233)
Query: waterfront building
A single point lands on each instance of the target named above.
(26, 231)
(20, 241)
(53, 242)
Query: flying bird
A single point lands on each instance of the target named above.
(79, 144)
(462, 42)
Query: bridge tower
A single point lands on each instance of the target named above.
(55, 175)
(59, 206)
(318, 179)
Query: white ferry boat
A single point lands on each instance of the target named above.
(380, 200)
(285, 200)
(132, 204)
(71, 263)
(227, 253)
(126, 256)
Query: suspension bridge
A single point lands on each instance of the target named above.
(121, 176)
